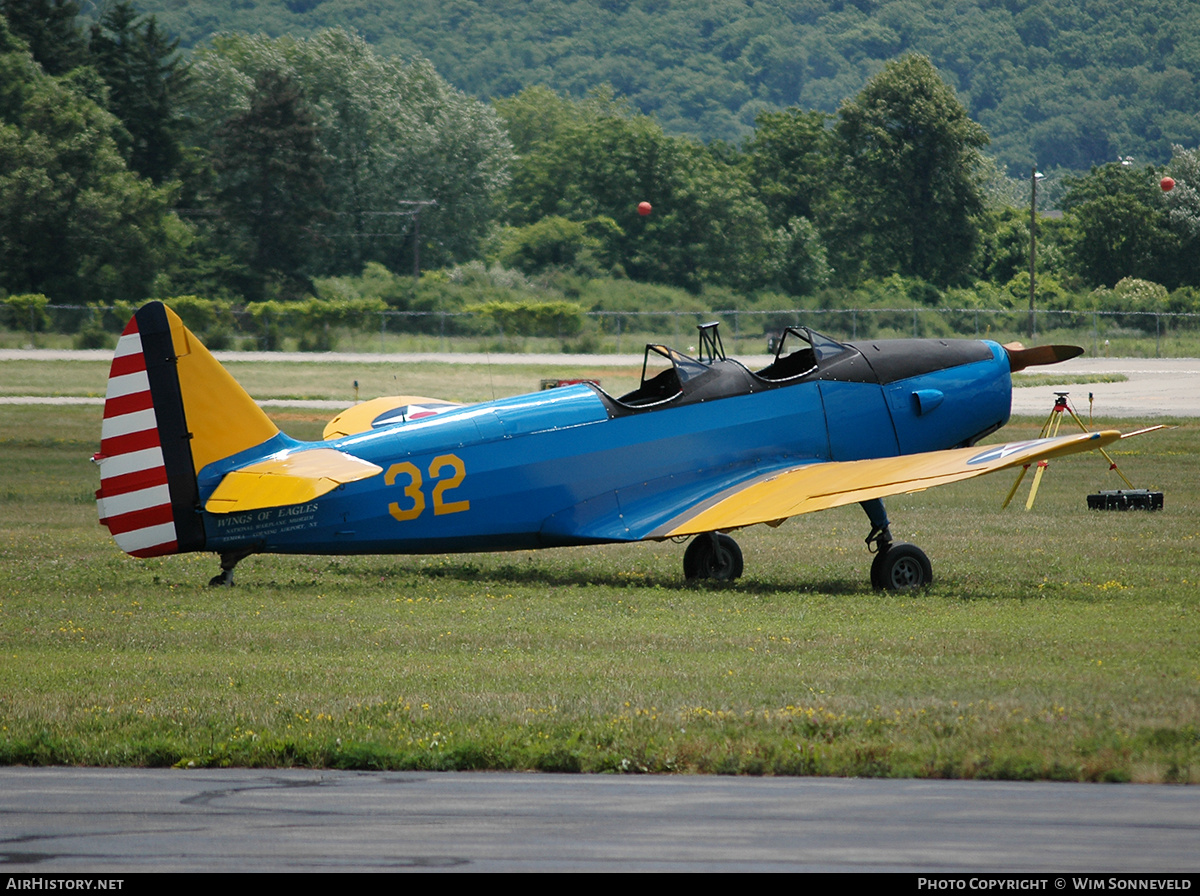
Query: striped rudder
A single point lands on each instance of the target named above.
(148, 497)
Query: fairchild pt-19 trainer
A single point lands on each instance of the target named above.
(702, 447)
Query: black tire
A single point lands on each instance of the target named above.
(712, 556)
(903, 566)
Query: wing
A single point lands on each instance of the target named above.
(387, 411)
(773, 497)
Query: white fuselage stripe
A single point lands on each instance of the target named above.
(129, 344)
(142, 499)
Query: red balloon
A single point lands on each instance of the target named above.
(644, 208)
(1167, 183)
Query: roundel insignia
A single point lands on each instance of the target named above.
(1000, 452)
(409, 412)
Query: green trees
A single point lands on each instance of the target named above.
(790, 157)
(259, 165)
(893, 184)
(1113, 209)
(270, 167)
(1065, 83)
(910, 171)
(597, 159)
(393, 134)
(146, 79)
(1183, 211)
(1124, 225)
(75, 223)
(48, 28)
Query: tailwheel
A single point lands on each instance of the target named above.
(900, 567)
(713, 555)
(224, 577)
(229, 560)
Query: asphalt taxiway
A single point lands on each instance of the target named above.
(117, 821)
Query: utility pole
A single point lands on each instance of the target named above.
(1034, 177)
(417, 207)
(410, 208)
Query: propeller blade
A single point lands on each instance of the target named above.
(1020, 357)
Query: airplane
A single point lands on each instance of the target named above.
(703, 446)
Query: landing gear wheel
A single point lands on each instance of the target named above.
(229, 560)
(900, 567)
(712, 556)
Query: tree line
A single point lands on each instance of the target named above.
(1066, 83)
(262, 168)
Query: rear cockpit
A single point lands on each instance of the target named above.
(671, 377)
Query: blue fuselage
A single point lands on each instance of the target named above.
(569, 466)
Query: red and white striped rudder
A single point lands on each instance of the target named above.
(147, 497)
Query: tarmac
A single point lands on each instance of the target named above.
(113, 822)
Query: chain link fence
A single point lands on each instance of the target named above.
(1101, 333)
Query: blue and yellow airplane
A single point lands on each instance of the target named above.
(188, 461)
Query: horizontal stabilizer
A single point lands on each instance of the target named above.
(293, 479)
(819, 486)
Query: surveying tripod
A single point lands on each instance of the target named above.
(1049, 430)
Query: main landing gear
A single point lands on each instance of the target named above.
(712, 555)
(896, 567)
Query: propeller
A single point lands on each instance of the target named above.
(1020, 357)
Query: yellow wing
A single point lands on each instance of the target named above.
(367, 415)
(773, 497)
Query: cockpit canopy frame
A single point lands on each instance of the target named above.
(801, 352)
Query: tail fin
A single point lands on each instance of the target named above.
(170, 410)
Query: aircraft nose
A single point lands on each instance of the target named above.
(1020, 357)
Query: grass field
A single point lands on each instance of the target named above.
(1059, 643)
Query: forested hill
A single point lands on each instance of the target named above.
(1065, 83)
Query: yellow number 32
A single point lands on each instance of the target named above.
(416, 497)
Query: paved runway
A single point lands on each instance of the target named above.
(114, 821)
(1153, 387)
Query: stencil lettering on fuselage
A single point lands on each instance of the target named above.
(272, 521)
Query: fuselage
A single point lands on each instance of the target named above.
(575, 466)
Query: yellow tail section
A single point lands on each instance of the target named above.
(221, 417)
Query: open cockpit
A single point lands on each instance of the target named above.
(672, 379)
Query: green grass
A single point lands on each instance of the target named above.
(1055, 644)
(332, 381)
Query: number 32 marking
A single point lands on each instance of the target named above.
(413, 491)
